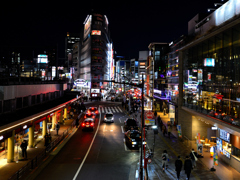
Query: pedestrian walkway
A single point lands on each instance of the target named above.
(112, 109)
(8, 170)
(176, 147)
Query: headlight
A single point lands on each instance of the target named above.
(134, 142)
(112, 118)
(105, 118)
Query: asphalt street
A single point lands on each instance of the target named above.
(99, 154)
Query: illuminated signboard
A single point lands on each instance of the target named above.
(96, 32)
(224, 135)
(209, 62)
(42, 58)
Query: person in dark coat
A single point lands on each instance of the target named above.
(77, 123)
(178, 165)
(188, 166)
(164, 129)
(24, 148)
(160, 122)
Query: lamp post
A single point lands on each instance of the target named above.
(142, 129)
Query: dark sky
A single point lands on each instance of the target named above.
(133, 24)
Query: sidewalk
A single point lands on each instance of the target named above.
(8, 170)
(175, 148)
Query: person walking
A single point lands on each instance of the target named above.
(164, 129)
(24, 148)
(169, 129)
(46, 139)
(77, 123)
(188, 166)
(57, 127)
(178, 166)
(164, 160)
(160, 122)
(193, 156)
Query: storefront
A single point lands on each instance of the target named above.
(228, 146)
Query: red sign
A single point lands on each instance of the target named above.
(149, 115)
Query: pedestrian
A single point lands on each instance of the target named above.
(24, 148)
(46, 139)
(194, 158)
(178, 166)
(188, 166)
(164, 129)
(77, 123)
(169, 129)
(57, 127)
(155, 113)
(164, 160)
(159, 122)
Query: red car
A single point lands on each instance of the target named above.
(88, 124)
(93, 110)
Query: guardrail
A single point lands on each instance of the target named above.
(39, 158)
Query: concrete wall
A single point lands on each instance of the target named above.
(192, 124)
(11, 92)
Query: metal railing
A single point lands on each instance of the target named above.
(39, 158)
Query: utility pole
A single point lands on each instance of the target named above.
(142, 133)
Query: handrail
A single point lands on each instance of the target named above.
(38, 159)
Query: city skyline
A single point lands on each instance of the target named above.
(133, 26)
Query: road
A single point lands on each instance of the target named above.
(100, 154)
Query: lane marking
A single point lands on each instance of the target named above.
(85, 157)
(106, 110)
(113, 109)
(122, 129)
(109, 110)
(102, 110)
(119, 109)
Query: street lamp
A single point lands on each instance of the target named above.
(211, 9)
(218, 4)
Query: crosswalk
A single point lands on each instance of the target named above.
(113, 109)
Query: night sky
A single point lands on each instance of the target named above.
(133, 24)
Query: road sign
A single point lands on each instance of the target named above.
(149, 115)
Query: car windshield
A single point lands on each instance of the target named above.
(109, 115)
(131, 122)
(134, 135)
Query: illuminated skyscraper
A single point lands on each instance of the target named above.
(96, 62)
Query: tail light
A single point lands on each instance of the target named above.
(91, 124)
(216, 114)
(93, 116)
(92, 108)
(83, 124)
(87, 123)
(85, 116)
(96, 112)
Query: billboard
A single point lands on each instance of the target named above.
(210, 62)
(96, 32)
(42, 58)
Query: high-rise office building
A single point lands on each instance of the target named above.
(96, 62)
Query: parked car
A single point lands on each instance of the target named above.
(109, 117)
(93, 110)
(88, 124)
(130, 124)
(236, 122)
(220, 115)
(228, 118)
(212, 113)
(133, 138)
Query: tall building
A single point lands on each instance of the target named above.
(158, 66)
(173, 68)
(70, 40)
(96, 64)
(209, 76)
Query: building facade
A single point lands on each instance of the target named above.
(209, 81)
(96, 62)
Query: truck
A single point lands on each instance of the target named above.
(95, 95)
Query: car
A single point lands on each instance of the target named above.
(130, 124)
(90, 115)
(133, 138)
(88, 123)
(228, 119)
(236, 122)
(93, 110)
(109, 117)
